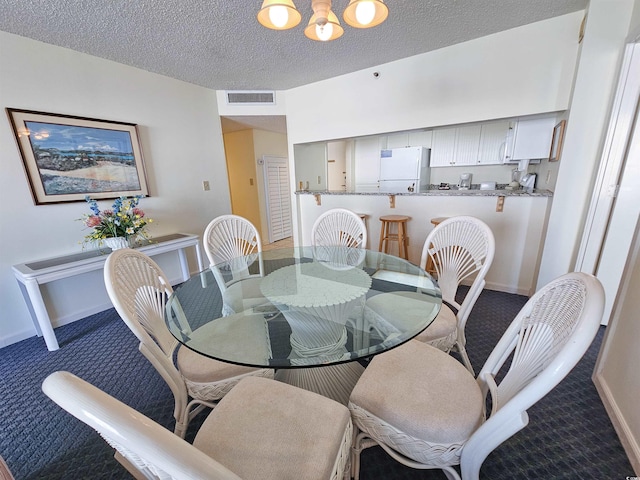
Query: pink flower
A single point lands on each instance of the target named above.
(137, 211)
(93, 221)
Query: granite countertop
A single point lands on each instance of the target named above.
(433, 190)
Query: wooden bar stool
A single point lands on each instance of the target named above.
(430, 267)
(396, 234)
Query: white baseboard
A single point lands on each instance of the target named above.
(507, 289)
(629, 443)
(16, 337)
(80, 314)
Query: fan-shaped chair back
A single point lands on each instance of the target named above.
(461, 248)
(235, 241)
(339, 227)
(149, 450)
(543, 343)
(139, 290)
(450, 426)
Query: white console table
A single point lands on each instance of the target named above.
(31, 275)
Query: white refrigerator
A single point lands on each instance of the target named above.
(404, 170)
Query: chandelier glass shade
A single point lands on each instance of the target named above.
(323, 31)
(324, 24)
(279, 14)
(365, 13)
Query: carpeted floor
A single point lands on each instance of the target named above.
(569, 435)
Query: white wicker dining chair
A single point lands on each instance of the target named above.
(139, 290)
(339, 237)
(232, 244)
(339, 227)
(427, 411)
(462, 249)
(263, 429)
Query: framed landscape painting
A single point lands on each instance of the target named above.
(67, 158)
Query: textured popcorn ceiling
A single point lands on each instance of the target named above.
(219, 43)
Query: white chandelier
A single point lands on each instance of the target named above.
(324, 24)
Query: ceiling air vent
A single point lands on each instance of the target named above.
(251, 97)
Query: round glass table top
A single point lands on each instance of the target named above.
(300, 307)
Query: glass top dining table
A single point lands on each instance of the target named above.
(300, 307)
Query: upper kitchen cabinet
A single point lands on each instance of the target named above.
(530, 139)
(443, 147)
(493, 139)
(418, 138)
(455, 146)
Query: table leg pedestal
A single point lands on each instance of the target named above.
(332, 381)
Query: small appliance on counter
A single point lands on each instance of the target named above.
(487, 185)
(515, 179)
(528, 181)
(465, 181)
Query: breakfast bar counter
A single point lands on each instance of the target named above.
(474, 191)
(517, 218)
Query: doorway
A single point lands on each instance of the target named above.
(256, 151)
(615, 206)
(278, 197)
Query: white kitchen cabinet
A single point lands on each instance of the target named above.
(455, 146)
(419, 138)
(530, 139)
(493, 138)
(443, 147)
(397, 140)
(467, 144)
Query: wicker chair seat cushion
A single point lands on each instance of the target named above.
(445, 325)
(241, 337)
(407, 309)
(422, 392)
(252, 435)
(243, 295)
(200, 369)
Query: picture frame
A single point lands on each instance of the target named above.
(67, 158)
(557, 140)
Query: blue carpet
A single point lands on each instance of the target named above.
(569, 435)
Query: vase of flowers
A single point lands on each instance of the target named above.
(118, 226)
(116, 243)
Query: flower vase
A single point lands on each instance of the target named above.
(116, 243)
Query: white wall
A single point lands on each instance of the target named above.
(606, 30)
(182, 146)
(522, 71)
(310, 166)
(616, 373)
